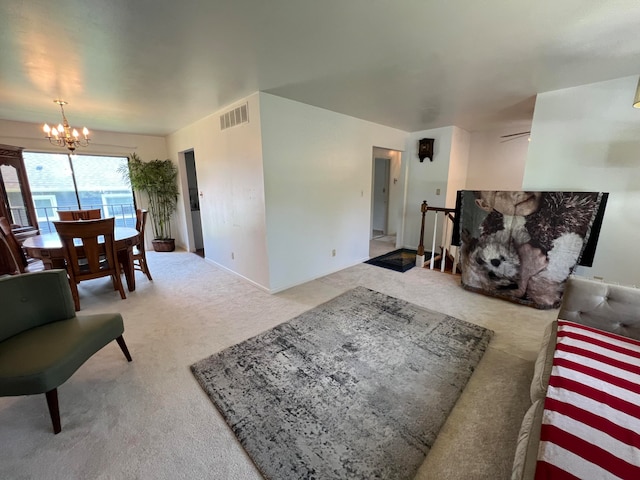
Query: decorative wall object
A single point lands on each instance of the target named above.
(425, 149)
(522, 246)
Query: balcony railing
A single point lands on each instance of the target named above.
(124, 213)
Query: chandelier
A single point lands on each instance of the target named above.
(63, 135)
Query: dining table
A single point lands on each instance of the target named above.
(48, 248)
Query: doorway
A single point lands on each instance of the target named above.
(386, 201)
(194, 201)
(379, 223)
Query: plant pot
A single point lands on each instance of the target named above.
(164, 245)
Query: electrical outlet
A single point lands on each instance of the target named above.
(333, 252)
(437, 191)
(233, 256)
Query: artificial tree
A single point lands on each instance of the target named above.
(158, 179)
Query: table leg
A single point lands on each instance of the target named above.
(124, 257)
(51, 263)
(47, 263)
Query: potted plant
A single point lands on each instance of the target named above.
(158, 180)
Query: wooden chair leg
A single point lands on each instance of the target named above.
(117, 281)
(114, 283)
(123, 347)
(145, 268)
(54, 411)
(75, 294)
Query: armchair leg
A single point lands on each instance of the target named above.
(54, 411)
(123, 347)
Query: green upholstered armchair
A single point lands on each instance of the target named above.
(42, 341)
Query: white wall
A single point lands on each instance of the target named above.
(588, 139)
(396, 193)
(424, 179)
(317, 173)
(458, 164)
(497, 163)
(232, 208)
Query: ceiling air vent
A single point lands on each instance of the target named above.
(234, 117)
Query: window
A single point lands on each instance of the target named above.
(120, 206)
(72, 182)
(44, 204)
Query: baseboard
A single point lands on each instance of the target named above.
(222, 267)
(282, 289)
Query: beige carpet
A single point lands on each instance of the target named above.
(151, 420)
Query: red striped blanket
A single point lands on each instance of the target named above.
(591, 419)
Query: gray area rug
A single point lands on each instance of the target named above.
(356, 388)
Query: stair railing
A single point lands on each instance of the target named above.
(445, 216)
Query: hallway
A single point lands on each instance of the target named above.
(381, 245)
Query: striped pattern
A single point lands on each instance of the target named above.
(591, 415)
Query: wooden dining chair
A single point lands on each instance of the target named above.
(139, 257)
(92, 258)
(12, 246)
(70, 215)
(18, 260)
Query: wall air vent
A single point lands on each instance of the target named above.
(234, 117)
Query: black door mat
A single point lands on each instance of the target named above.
(399, 260)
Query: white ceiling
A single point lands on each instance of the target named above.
(154, 66)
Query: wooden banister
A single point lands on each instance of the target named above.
(448, 216)
(423, 208)
(440, 209)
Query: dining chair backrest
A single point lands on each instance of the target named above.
(139, 256)
(13, 245)
(70, 215)
(141, 220)
(93, 250)
(94, 256)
